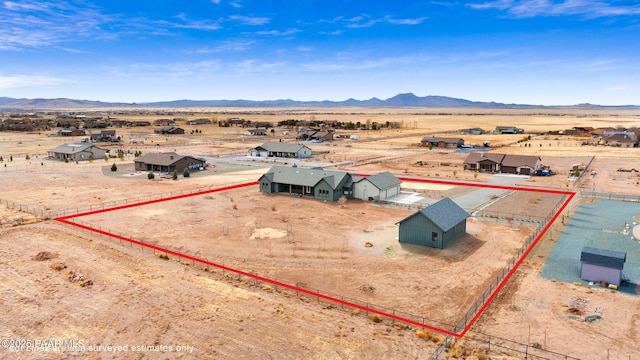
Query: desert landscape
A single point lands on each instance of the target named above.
(66, 282)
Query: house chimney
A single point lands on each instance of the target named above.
(171, 157)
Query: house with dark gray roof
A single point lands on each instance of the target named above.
(281, 149)
(376, 187)
(319, 183)
(501, 163)
(169, 130)
(602, 265)
(437, 225)
(168, 162)
(77, 152)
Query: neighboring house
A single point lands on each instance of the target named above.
(321, 136)
(483, 162)
(441, 142)
(77, 152)
(168, 162)
(104, 136)
(501, 163)
(199, 122)
(256, 132)
(169, 130)
(472, 131)
(164, 122)
(509, 130)
(602, 265)
(376, 187)
(281, 149)
(520, 164)
(620, 140)
(71, 132)
(139, 123)
(435, 226)
(316, 182)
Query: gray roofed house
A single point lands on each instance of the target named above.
(376, 187)
(168, 162)
(281, 149)
(434, 226)
(77, 152)
(316, 182)
(509, 164)
(483, 162)
(602, 265)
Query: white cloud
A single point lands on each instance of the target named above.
(532, 8)
(17, 81)
(250, 20)
(277, 32)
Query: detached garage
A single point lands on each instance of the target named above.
(602, 265)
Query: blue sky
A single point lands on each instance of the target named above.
(535, 52)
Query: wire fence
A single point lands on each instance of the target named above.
(26, 214)
(609, 196)
(139, 200)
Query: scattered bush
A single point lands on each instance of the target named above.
(163, 256)
(174, 175)
(114, 167)
(235, 206)
(105, 157)
(151, 175)
(27, 157)
(273, 208)
(186, 173)
(375, 318)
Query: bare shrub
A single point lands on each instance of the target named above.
(273, 208)
(375, 318)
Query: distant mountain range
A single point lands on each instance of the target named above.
(400, 100)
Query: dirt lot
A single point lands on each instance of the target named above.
(281, 237)
(141, 299)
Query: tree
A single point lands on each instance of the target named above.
(27, 157)
(186, 173)
(105, 157)
(91, 158)
(174, 175)
(121, 155)
(114, 167)
(150, 175)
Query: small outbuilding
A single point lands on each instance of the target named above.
(602, 265)
(437, 225)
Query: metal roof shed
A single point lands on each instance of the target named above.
(434, 226)
(602, 265)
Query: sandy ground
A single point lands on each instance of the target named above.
(137, 298)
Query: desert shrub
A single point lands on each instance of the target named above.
(151, 175)
(375, 318)
(186, 173)
(105, 157)
(27, 157)
(235, 206)
(174, 175)
(273, 208)
(114, 167)
(67, 160)
(163, 256)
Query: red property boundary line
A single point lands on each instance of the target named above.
(569, 194)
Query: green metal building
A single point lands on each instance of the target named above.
(437, 225)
